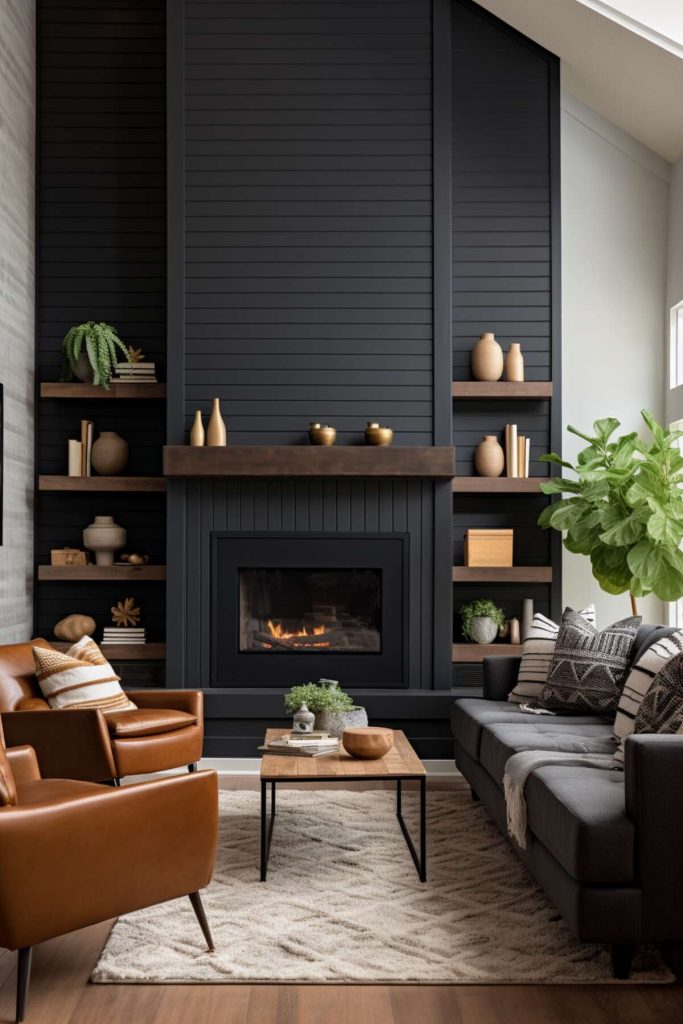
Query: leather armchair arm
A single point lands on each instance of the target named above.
(191, 701)
(500, 676)
(71, 862)
(24, 764)
(653, 766)
(68, 744)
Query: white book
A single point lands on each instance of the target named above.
(75, 458)
(513, 469)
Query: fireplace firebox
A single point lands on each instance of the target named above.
(289, 607)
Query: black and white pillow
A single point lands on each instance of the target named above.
(537, 655)
(640, 680)
(661, 709)
(589, 666)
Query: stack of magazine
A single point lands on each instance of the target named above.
(317, 744)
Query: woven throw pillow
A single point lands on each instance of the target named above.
(589, 666)
(537, 655)
(639, 681)
(81, 678)
(661, 709)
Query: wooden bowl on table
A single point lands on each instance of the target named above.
(369, 743)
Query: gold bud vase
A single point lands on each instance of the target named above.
(216, 434)
(197, 436)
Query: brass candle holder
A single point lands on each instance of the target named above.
(319, 433)
(377, 435)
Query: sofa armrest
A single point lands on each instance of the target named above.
(191, 701)
(68, 744)
(500, 676)
(24, 764)
(653, 766)
(72, 861)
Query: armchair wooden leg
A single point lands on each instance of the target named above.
(23, 978)
(198, 907)
(192, 767)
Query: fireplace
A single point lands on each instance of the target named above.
(288, 608)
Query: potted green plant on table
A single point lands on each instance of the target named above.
(334, 710)
(625, 508)
(90, 352)
(481, 620)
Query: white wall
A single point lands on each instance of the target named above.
(615, 196)
(674, 292)
(17, 143)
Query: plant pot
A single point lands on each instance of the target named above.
(104, 537)
(484, 630)
(109, 453)
(487, 358)
(83, 370)
(335, 722)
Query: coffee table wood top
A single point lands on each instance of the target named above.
(401, 760)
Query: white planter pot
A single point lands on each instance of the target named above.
(484, 630)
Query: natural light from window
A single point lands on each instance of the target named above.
(676, 346)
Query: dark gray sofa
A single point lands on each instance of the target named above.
(607, 847)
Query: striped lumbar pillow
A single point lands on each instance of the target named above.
(639, 681)
(81, 678)
(537, 654)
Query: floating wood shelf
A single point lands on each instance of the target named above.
(502, 389)
(125, 652)
(101, 483)
(477, 652)
(506, 574)
(69, 573)
(57, 389)
(498, 484)
(310, 461)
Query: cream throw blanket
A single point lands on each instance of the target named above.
(519, 767)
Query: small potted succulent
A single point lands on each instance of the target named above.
(334, 710)
(91, 351)
(481, 621)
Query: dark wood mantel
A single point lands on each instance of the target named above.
(309, 461)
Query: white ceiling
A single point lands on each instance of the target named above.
(631, 75)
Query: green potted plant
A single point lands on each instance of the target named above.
(90, 352)
(334, 710)
(625, 509)
(481, 620)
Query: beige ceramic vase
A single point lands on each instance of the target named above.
(514, 364)
(216, 434)
(109, 454)
(104, 537)
(489, 458)
(197, 437)
(487, 358)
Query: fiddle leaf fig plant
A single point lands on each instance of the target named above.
(96, 344)
(624, 510)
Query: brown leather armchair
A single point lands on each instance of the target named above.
(166, 732)
(75, 853)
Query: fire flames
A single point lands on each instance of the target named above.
(276, 629)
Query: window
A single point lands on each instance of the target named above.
(676, 346)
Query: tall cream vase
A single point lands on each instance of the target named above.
(514, 364)
(487, 358)
(216, 434)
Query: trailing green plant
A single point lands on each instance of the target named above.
(482, 608)
(625, 510)
(317, 697)
(101, 345)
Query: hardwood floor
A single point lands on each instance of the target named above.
(60, 994)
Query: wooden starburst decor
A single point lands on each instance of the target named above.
(125, 613)
(136, 354)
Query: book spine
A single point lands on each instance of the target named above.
(74, 458)
(88, 448)
(527, 456)
(513, 450)
(508, 462)
(521, 455)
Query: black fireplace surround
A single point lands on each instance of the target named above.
(288, 608)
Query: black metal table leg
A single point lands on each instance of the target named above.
(266, 826)
(421, 861)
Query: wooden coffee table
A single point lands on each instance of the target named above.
(400, 765)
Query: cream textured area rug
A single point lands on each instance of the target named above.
(343, 903)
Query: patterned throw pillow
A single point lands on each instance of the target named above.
(661, 709)
(640, 680)
(589, 667)
(537, 655)
(81, 678)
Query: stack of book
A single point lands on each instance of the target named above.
(80, 452)
(309, 745)
(136, 373)
(124, 635)
(517, 452)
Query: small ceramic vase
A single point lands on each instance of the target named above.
(487, 358)
(302, 720)
(104, 537)
(514, 364)
(489, 458)
(197, 436)
(319, 433)
(109, 453)
(376, 435)
(484, 630)
(514, 631)
(216, 434)
(527, 617)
